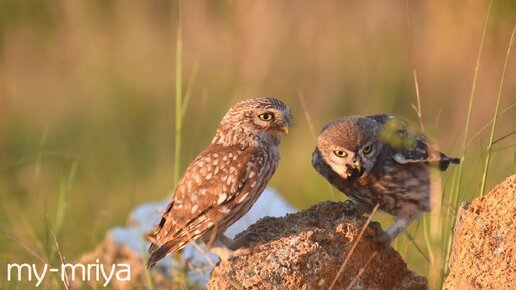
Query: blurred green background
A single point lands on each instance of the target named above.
(87, 96)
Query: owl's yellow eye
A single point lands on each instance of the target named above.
(267, 117)
(340, 153)
(368, 149)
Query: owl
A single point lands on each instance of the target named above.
(379, 160)
(224, 181)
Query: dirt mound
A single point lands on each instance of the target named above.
(484, 247)
(305, 251)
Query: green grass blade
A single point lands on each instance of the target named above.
(64, 194)
(470, 106)
(493, 128)
(179, 96)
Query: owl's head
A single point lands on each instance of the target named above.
(349, 146)
(265, 118)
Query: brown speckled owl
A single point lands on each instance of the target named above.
(378, 159)
(224, 181)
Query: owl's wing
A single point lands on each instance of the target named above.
(205, 193)
(382, 118)
(406, 146)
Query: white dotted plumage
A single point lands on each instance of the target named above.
(225, 180)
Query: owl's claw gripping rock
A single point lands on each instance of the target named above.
(380, 236)
(385, 240)
(350, 209)
(377, 227)
(247, 239)
(353, 209)
(243, 241)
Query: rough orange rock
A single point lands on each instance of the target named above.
(484, 246)
(305, 251)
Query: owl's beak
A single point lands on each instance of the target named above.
(284, 129)
(358, 170)
(357, 165)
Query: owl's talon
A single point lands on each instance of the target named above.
(243, 241)
(352, 209)
(385, 240)
(222, 253)
(227, 254)
(388, 249)
(377, 227)
(241, 252)
(248, 239)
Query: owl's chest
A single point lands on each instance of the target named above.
(265, 166)
(390, 183)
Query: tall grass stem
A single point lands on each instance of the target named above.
(179, 96)
(470, 106)
(493, 128)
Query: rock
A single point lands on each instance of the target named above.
(484, 244)
(305, 251)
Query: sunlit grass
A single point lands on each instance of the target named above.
(495, 118)
(437, 238)
(455, 192)
(179, 97)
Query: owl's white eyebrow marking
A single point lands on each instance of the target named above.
(222, 198)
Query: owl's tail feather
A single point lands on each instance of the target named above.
(445, 162)
(157, 253)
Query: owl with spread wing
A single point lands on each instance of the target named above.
(379, 160)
